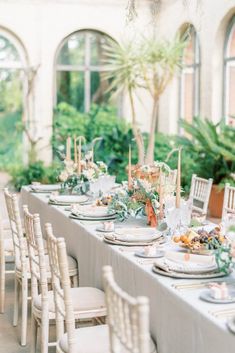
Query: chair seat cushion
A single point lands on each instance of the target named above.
(93, 339)
(73, 267)
(8, 245)
(84, 299)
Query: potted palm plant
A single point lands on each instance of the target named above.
(216, 150)
(143, 63)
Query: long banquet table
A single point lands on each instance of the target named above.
(179, 321)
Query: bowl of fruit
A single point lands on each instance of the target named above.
(201, 241)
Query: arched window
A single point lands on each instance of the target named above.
(11, 100)
(229, 74)
(189, 104)
(79, 68)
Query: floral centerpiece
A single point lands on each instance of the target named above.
(151, 172)
(89, 171)
(141, 199)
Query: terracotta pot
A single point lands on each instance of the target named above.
(216, 202)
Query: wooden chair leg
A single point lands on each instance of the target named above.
(2, 285)
(16, 302)
(24, 312)
(34, 332)
(44, 333)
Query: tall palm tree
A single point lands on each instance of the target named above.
(148, 64)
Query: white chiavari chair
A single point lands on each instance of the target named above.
(6, 252)
(128, 318)
(229, 201)
(22, 267)
(200, 194)
(22, 274)
(42, 299)
(132, 315)
(86, 302)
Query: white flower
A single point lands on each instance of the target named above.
(63, 176)
(89, 173)
(146, 185)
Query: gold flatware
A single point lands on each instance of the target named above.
(223, 312)
(182, 286)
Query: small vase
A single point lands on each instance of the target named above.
(151, 216)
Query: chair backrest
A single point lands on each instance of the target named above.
(200, 193)
(19, 242)
(229, 201)
(37, 258)
(128, 318)
(61, 287)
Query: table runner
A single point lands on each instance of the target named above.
(179, 321)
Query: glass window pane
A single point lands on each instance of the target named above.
(188, 96)
(99, 88)
(73, 50)
(97, 41)
(8, 52)
(70, 88)
(231, 48)
(10, 117)
(231, 94)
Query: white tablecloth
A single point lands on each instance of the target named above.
(179, 321)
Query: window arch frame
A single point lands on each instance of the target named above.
(191, 68)
(226, 60)
(86, 68)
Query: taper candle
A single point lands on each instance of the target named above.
(129, 169)
(79, 156)
(75, 151)
(68, 148)
(178, 185)
(160, 195)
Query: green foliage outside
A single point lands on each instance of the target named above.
(204, 156)
(100, 121)
(33, 172)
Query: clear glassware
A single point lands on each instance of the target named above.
(229, 227)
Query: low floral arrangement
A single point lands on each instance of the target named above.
(141, 199)
(90, 171)
(225, 255)
(151, 172)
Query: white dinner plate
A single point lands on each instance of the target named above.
(45, 188)
(67, 199)
(92, 211)
(137, 235)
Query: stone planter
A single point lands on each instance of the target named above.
(216, 202)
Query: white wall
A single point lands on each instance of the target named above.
(41, 25)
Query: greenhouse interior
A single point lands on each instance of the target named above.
(117, 176)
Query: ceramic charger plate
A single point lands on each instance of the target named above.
(187, 275)
(114, 241)
(66, 200)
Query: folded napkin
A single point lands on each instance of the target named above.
(188, 258)
(137, 234)
(91, 211)
(68, 199)
(130, 238)
(184, 267)
(46, 187)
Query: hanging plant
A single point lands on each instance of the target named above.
(155, 6)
